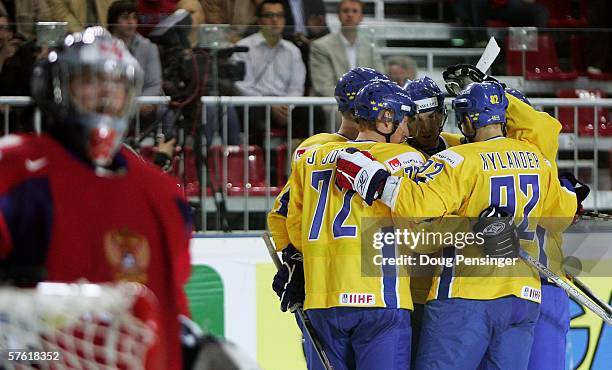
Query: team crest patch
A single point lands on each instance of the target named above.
(300, 152)
(128, 255)
(403, 160)
(361, 299)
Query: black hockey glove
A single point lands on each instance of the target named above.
(499, 233)
(458, 76)
(582, 190)
(288, 282)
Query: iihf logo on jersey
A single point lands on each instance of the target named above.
(362, 299)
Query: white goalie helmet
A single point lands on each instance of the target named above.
(88, 87)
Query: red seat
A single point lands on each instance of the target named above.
(585, 114)
(496, 23)
(236, 184)
(542, 64)
(561, 13)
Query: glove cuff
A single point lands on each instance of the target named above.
(389, 194)
(364, 178)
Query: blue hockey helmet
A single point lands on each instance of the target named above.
(351, 82)
(426, 94)
(429, 100)
(378, 96)
(518, 94)
(482, 104)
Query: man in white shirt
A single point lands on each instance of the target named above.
(274, 66)
(334, 54)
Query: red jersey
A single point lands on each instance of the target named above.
(131, 224)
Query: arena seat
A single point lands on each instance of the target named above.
(585, 114)
(542, 64)
(566, 13)
(256, 183)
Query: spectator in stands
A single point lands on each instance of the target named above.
(305, 20)
(237, 12)
(197, 17)
(8, 44)
(123, 23)
(7, 9)
(401, 69)
(79, 13)
(274, 66)
(334, 54)
(27, 13)
(150, 12)
(517, 13)
(17, 57)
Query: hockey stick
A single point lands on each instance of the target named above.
(308, 329)
(454, 84)
(597, 215)
(570, 290)
(488, 56)
(589, 293)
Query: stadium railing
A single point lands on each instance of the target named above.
(580, 153)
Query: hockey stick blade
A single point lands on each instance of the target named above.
(589, 293)
(310, 332)
(570, 290)
(488, 56)
(596, 216)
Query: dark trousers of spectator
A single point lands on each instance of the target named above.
(476, 13)
(215, 122)
(299, 127)
(598, 47)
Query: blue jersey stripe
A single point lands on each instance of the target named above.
(28, 212)
(389, 279)
(446, 276)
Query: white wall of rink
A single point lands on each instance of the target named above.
(253, 320)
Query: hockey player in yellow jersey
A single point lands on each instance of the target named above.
(471, 320)
(523, 123)
(363, 321)
(346, 89)
(539, 128)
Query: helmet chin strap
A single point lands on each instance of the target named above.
(388, 136)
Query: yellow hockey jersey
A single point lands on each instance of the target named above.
(278, 215)
(524, 123)
(466, 179)
(327, 225)
(542, 130)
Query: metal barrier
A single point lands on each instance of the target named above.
(430, 53)
(256, 101)
(24, 101)
(247, 203)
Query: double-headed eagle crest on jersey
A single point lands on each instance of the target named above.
(128, 255)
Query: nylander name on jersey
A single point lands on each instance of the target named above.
(509, 159)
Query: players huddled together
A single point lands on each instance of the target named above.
(390, 160)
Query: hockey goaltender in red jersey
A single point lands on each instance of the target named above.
(74, 204)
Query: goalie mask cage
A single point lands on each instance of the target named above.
(78, 326)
